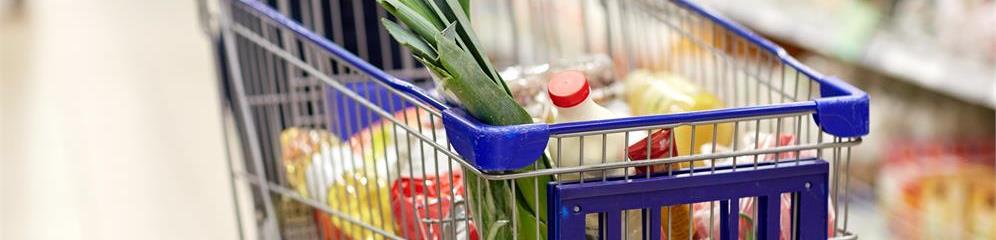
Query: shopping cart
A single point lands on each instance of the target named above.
(327, 68)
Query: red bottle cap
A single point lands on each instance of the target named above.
(568, 88)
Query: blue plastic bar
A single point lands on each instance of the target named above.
(768, 217)
(611, 224)
(724, 220)
(570, 202)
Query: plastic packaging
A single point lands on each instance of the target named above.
(661, 93)
(529, 83)
(658, 145)
(320, 167)
(432, 207)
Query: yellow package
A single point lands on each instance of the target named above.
(297, 148)
(320, 167)
(649, 93)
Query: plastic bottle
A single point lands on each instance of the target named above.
(569, 92)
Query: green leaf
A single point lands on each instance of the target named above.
(454, 12)
(446, 44)
(422, 9)
(490, 105)
(494, 107)
(466, 6)
(434, 67)
(409, 40)
(412, 19)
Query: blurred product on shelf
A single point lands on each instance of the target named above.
(964, 27)
(661, 92)
(569, 92)
(926, 42)
(939, 189)
(528, 83)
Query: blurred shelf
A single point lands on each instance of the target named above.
(849, 34)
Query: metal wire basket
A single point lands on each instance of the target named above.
(332, 113)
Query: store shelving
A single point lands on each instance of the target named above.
(851, 34)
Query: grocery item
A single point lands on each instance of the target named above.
(661, 92)
(528, 83)
(429, 192)
(321, 168)
(429, 207)
(569, 92)
(757, 140)
(326, 230)
(443, 41)
(939, 188)
(747, 220)
(749, 141)
(297, 147)
(294, 218)
(660, 145)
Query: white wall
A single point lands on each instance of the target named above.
(109, 124)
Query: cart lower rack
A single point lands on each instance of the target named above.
(342, 135)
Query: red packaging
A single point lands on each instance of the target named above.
(409, 196)
(660, 144)
(326, 229)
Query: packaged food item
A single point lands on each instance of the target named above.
(658, 145)
(569, 92)
(295, 218)
(660, 93)
(939, 189)
(297, 147)
(747, 221)
(756, 140)
(326, 230)
(529, 83)
(351, 177)
(304, 162)
(750, 141)
(431, 207)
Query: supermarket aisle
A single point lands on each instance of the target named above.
(109, 124)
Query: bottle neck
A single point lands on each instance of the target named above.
(577, 111)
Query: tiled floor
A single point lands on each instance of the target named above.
(109, 124)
